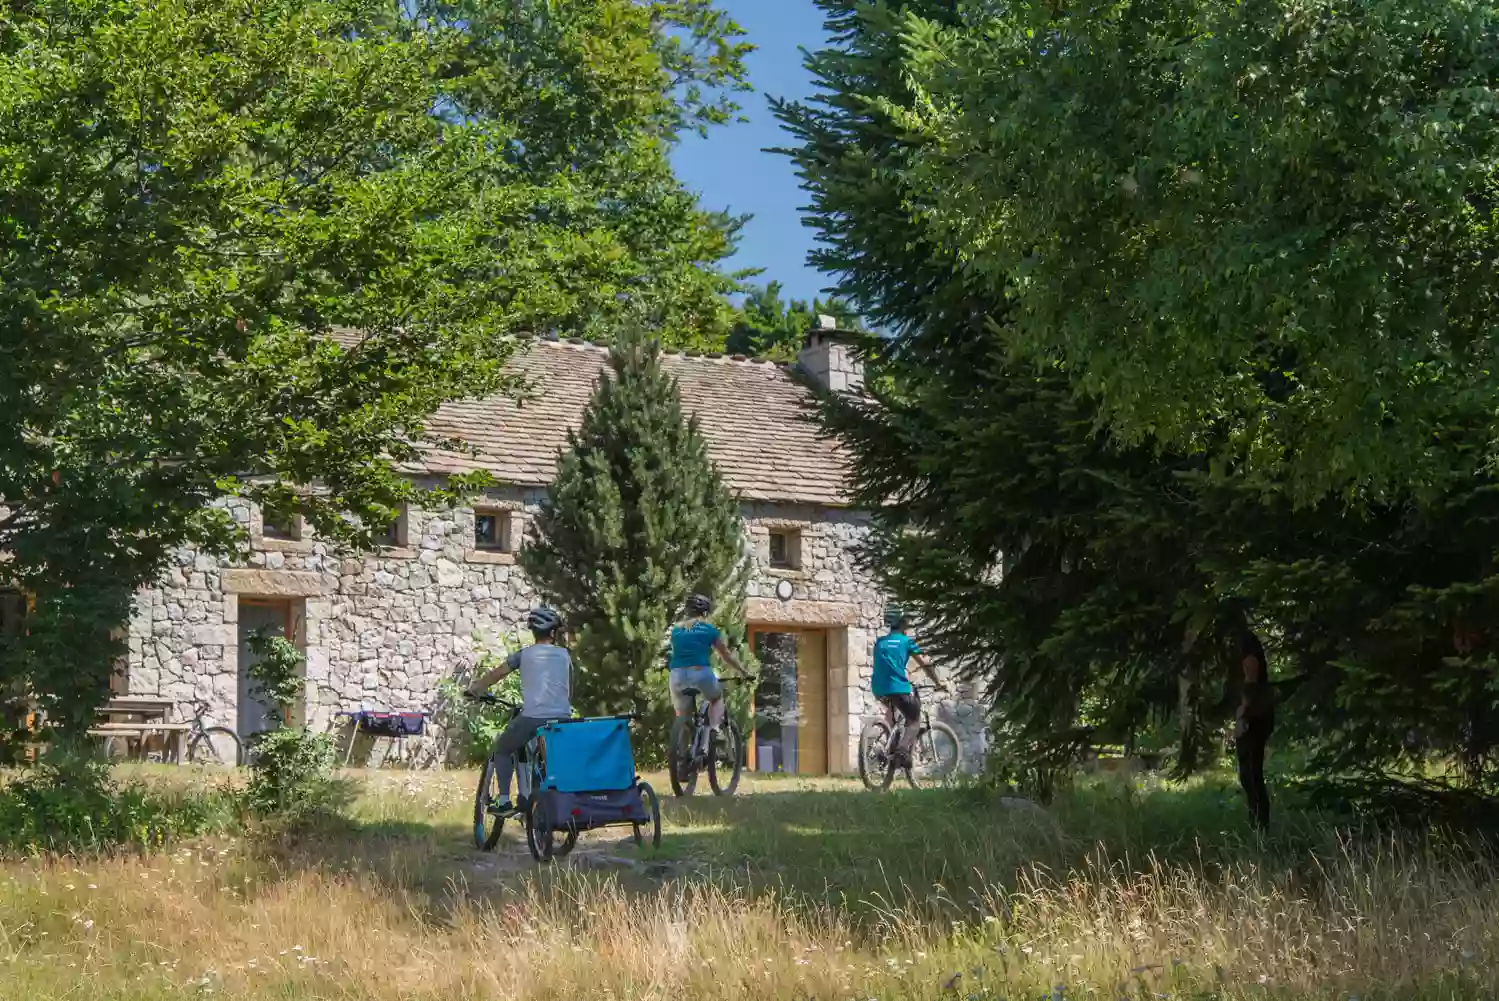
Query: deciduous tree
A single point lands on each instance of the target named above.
(194, 194)
(1270, 218)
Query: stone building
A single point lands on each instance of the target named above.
(382, 630)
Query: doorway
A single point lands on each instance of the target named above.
(789, 714)
(277, 617)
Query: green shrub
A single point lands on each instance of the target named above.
(291, 776)
(291, 768)
(69, 803)
(479, 722)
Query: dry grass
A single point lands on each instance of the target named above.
(789, 891)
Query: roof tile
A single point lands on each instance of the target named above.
(752, 414)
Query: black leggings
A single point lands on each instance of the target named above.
(1250, 750)
(908, 705)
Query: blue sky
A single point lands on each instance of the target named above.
(729, 169)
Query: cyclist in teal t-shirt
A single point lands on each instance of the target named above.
(890, 683)
(693, 641)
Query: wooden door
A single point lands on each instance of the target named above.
(791, 701)
(812, 703)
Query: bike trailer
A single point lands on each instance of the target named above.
(590, 778)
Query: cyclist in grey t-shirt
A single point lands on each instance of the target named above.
(546, 687)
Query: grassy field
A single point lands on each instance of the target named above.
(792, 890)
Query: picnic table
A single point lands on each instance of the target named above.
(137, 718)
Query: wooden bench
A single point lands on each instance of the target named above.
(175, 733)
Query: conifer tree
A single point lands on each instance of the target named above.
(637, 518)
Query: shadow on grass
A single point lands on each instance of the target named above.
(861, 851)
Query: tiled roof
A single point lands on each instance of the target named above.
(752, 413)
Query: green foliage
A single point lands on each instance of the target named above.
(291, 768)
(1262, 230)
(637, 518)
(69, 803)
(291, 776)
(194, 194)
(765, 325)
(277, 669)
(1097, 579)
(1033, 551)
(479, 722)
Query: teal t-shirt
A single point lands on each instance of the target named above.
(891, 653)
(692, 646)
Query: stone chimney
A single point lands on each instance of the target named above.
(828, 357)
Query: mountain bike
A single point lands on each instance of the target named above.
(935, 757)
(212, 745)
(694, 747)
(206, 745)
(530, 766)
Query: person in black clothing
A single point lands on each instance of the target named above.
(1256, 718)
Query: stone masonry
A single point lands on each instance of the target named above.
(383, 630)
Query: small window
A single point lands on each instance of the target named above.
(286, 527)
(785, 550)
(493, 531)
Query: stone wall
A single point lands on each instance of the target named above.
(381, 631)
(829, 590)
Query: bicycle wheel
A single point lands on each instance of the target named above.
(487, 823)
(540, 837)
(648, 795)
(873, 759)
(215, 745)
(680, 766)
(568, 843)
(725, 753)
(116, 749)
(935, 758)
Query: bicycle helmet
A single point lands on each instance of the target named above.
(543, 621)
(699, 605)
(896, 617)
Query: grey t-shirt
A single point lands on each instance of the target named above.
(545, 680)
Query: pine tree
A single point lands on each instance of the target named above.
(637, 518)
(1098, 587)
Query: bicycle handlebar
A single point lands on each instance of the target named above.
(493, 700)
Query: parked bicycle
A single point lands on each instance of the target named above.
(212, 745)
(206, 744)
(935, 757)
(695, 748)
(530, 766)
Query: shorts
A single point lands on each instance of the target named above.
(908, 704)
(701, 678)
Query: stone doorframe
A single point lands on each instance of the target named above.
(835, 618)
(313, 590)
